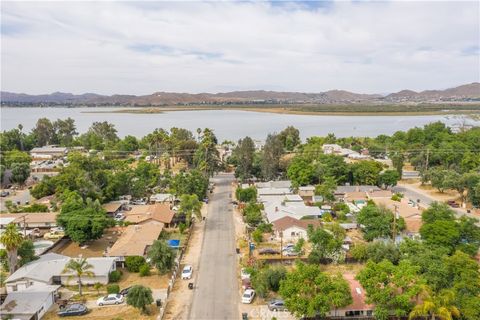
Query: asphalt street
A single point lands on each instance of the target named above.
(216, 290)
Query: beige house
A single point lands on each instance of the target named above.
(160, 212)
(135, 240)
(291, 229)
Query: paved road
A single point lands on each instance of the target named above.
(425, 200)
(216, 291)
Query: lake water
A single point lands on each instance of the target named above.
(227, 124)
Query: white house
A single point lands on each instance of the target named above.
(48, 270)
(291, 229)
(275, 211)
(162, 198)
(31, 303)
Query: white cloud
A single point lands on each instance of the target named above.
(140, 48)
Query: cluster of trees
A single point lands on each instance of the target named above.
(266, 163)
(467, 184)
(378, 222)
(17, 163)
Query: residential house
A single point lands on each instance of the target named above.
(291, 229)
(411, 214)
(376, 194)
(162, 198)
(273, 191)
(113, 207)
(274, 184)
(267, 199)
(307, 193)
(359, 307)
(29, 304)
(275, 211)
(135, 240)
(36, 220)
(160, 212)
(48, 152)
(48, 270)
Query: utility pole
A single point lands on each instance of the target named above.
(24, 227)
(426, 160)
(395, 223)
(281, 247)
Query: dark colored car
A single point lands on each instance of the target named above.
(453, 204)
(276, 305)
(269, 251)
(76, 309)
(124, 292)
(4, 194)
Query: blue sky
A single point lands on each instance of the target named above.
(145, 47)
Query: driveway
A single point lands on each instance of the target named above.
(216, 292)
(426, 200)
(16, 195)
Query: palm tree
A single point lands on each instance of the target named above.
(80, 268)
(12, 239)
(435, 305)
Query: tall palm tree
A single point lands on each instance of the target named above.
(79, 268)
(435, 305)
(12, 239)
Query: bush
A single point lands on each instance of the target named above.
(115, 276)
(113, 288)
(134, 263)
(257, 236)
(144, 270)
(246, 195)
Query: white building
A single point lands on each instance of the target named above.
(290, 229)
(31, 303)
(48, 270)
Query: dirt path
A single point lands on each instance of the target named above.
(181, 297)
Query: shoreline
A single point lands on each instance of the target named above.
(159, 110)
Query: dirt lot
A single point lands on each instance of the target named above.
(154, 281)
(92, 249)
(122, 312)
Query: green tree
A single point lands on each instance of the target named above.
(246, 194)
(366, 172)
(388, 178)
(435, 305)
(271, 154)
(189, 206)
(133, 263)
(326, 243)
(140, 297)
(310, 292)
(290, 138)
(391, 288)
(15, 156)
(206, 157)
(161, 255)
(78, 268)
(82, 220)
(268, 279)
(26, 251)
(44, 132)
(65, 131)
(253, 214)
(257, 236)
(376, 251)
(11, 240)
(398, 159)
(244, 154)
(326, 189)
(301, 172)
(20, 172)
(377, 222)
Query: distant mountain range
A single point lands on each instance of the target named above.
(464, 93)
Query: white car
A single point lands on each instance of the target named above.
(187, 272)
(244, 274)
(110, 299)
(119, 216)
(248, 296)
(288, 247)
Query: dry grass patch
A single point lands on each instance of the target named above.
(123, 312)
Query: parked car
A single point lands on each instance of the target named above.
(205, 200)
(288, 247)
(453, 204)
(36, 233)
(244, 274)
(4, 194)
(248, 296)
(76, 309)
(277, 305)
(115, 298)
(290, 253)
(119, 217)
(246, 284)
(124, 291)
(54, 235)
(268, 251)
(187, 272)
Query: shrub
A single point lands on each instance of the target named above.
(115, 276)
(144, 270)
(257, 235)
(134, 263)
(113, 288)
(181, 227)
